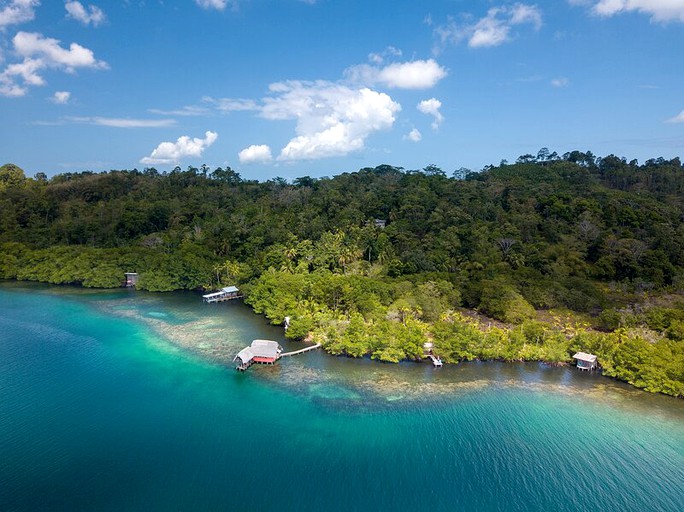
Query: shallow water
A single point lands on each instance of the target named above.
(124, 400)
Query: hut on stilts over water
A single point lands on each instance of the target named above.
(260, 351)
(586, 361)
(131, 279)
(227, 293)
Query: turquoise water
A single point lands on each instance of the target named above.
(127, 401)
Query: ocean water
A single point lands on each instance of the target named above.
(128, 401)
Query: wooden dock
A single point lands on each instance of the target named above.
(436, 361)
(300, 351)
(224, 294)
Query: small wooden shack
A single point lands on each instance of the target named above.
(227, 293)
(260, 351)
(131, 279)
(585, 361)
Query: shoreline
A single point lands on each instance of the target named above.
(223, 352)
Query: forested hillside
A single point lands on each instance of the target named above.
(524, 261)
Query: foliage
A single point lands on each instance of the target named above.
(599, 237)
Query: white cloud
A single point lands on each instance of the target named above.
(332, 119)
(658, 10)
(219, 5)
(26, 70)
(61, 97)
(117, 122)
(32, 44)
(18, 11)
(492, 30)
(40, 52)
(431, 107)
(255, 154)
(189, 110)
(417, 74)
(90, 15)
(414, 135)
(173, 152)
(378, 58)
(560, 82)
(679, 118)
(231, 104)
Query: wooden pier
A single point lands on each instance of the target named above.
(227, 293)
(436, 361)
(300, 351)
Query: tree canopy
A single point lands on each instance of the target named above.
(518, 261)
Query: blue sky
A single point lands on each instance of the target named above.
(319, 87)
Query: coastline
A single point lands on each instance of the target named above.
(207, 338)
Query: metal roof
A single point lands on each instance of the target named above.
(265, 348)
(583, 356)
(230, 289)
(245, 355)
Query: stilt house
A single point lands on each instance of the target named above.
(585, 361)
(260, 351)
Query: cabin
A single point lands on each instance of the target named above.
(227, 293)
(380, 223)
(585, 361)
(131, 279)
(260, 351)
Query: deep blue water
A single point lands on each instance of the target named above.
(127, 401)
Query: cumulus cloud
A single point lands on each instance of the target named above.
(173, 152)
(255, 154)
(560, 82)
(414, 135)
(492, 30)
(32, 44)
(679, 118)
(61, 97)
(431, 107)
(26, 71)
(337, 118)
(417, 74)
(91, 15)
(658, 10)
(332, 119)
(17, 11)
(39, 53)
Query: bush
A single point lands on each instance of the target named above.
(505, 303)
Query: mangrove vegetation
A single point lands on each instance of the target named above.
(525, 261)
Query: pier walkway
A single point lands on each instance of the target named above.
(435, 360)
(300, 351)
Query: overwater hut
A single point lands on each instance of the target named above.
(227, 293)
(260, 351)
(131, 279)
(585, 361)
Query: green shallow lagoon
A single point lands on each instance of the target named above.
(127, 401)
